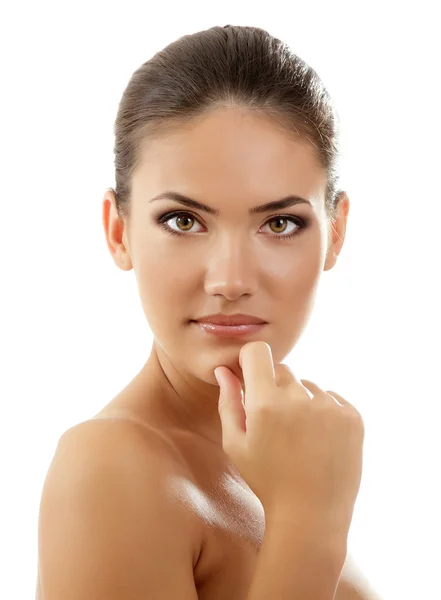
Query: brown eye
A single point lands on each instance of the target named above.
(278, 220)
(183, 222)
(186, 221)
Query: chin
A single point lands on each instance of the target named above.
(213, 360)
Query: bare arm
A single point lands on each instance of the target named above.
(298, 563)
(109, 528)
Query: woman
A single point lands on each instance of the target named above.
(226, 203)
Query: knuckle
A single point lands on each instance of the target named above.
(307, 383)
(355, 413)
(323, 401)
(283, 374)
(282, 370)
(356, 417)
(361, 422)
(264, 411)
(336, 397)
(230, 446)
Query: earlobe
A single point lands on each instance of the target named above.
(331, 259)
(331, 254)
(115, 234)
(121, 254)
(337, 231)
(124, 262)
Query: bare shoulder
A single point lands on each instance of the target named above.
(136, 436)
(113, 504)
(142, 454)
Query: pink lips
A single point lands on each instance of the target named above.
(230, 330)
(233, 319)
(233, 325)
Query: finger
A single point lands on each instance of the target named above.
(257, 365)
(339, 399)
(284, 375)
(230, 407)
(312, 388)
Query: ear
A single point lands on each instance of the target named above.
(337, 231)
(114, 229)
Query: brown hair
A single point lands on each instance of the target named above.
(218, 67)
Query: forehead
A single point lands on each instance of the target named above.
(229, 151)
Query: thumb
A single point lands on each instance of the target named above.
(231, 410)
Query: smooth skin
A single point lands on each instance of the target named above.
(298, 448)
(235, 262)
(113, 519)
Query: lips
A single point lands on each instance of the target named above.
(231, 320)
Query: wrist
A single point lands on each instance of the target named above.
(320, 531)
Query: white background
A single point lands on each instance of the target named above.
(72, 330)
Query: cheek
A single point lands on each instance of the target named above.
(165, 296)
(297, 272)
(162, 284)
(304, 276)
(293, 287)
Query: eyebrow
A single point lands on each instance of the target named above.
(285, 202)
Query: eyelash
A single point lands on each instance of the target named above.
(302, 223)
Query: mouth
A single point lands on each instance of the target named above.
(230, 331)
(231, 320)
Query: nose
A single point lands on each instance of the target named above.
(232, 270)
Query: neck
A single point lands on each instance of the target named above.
(185, 401)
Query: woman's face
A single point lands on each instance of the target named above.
(266, 264)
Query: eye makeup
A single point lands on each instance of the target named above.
(162, 219)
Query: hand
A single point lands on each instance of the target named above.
(296, 446)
